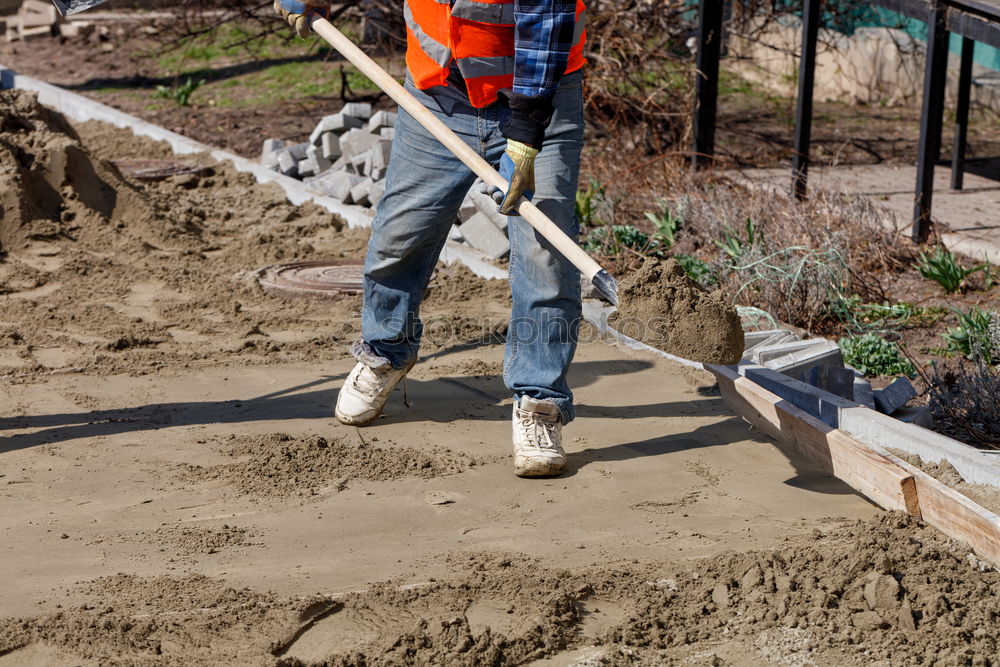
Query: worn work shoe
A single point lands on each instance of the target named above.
(366, 390)
(538, 448)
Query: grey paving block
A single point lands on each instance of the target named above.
(380, 152)
(388, 132)
(919, 415)
(377, 174)
(863, 392)
(308, 167)
(338, 122)
(362, 110)
(287, 164)
(338, 184)
(330, 145)
(357, 142)
(375, 192)
(467, 209)
(298, 151)
(488, 207)
(895, 396)
(820, 404)
(834, 379)
(766, 353)
(381, 119)
(755, 340)
(341, 164)
(798, 366)
(358, 162)
(455, 234)
(480, 232)
(360, 191)
(269, 152)
(315, 153)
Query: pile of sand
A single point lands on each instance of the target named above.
(662, 307)
(887, 591)
(281, 465)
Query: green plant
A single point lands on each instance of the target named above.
(181, 94)
(666, 223)
(613, 240)
(874, 355)
(974, 336)
(587, 202)
(734, 246)
(942, 267)
(698, 270)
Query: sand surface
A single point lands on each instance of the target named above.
(175, 490)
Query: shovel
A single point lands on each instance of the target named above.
(601, 279)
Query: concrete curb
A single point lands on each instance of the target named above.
(867, 425)
(876, 429)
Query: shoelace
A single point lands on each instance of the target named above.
(529, 424)
(368, 383)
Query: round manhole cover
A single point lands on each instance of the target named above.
(316, 280)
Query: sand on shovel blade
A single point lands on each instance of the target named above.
(663, 307)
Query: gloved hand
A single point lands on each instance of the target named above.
(517, 167)
(300, 13)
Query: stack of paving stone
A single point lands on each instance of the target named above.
(819, 362)
(346, 158)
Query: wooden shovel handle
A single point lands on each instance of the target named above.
(557, 237)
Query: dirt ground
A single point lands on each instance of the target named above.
(176, 491)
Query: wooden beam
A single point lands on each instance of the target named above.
(869, 472)
(886, 480)
(956, 515)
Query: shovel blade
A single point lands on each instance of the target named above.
(606, 286)
(67, 7)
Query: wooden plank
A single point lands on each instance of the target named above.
(869, 472)
(955, 515)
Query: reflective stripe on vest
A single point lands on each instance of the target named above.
(436, 51)
(485, 66)
(478, 37)
(483, 12)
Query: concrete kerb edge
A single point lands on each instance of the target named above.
(873, 428)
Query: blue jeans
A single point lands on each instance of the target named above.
(425, 186)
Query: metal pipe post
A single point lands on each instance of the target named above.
(707, 81)
(804, 107)
(962, 114)
(932, 110)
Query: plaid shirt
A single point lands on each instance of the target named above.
(543, 37)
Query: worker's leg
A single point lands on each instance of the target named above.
(545, 318)
(425, 185)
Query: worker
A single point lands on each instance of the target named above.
(506, 77)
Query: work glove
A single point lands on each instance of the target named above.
(301, 13)
(517, 167)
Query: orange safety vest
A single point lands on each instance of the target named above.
(479, 36)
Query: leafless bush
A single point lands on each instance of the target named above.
(790, 258)
(966, 399)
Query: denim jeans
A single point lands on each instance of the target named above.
(425, 186)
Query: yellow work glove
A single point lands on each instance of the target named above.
(517, 167)
(301, 13)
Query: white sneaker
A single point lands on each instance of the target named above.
(538, 448)
(365, 391)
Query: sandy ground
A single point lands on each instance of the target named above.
(176, 491)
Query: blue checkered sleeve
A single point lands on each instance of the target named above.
(543, 37)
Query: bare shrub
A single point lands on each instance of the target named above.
(790, 258)
(966, 399)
